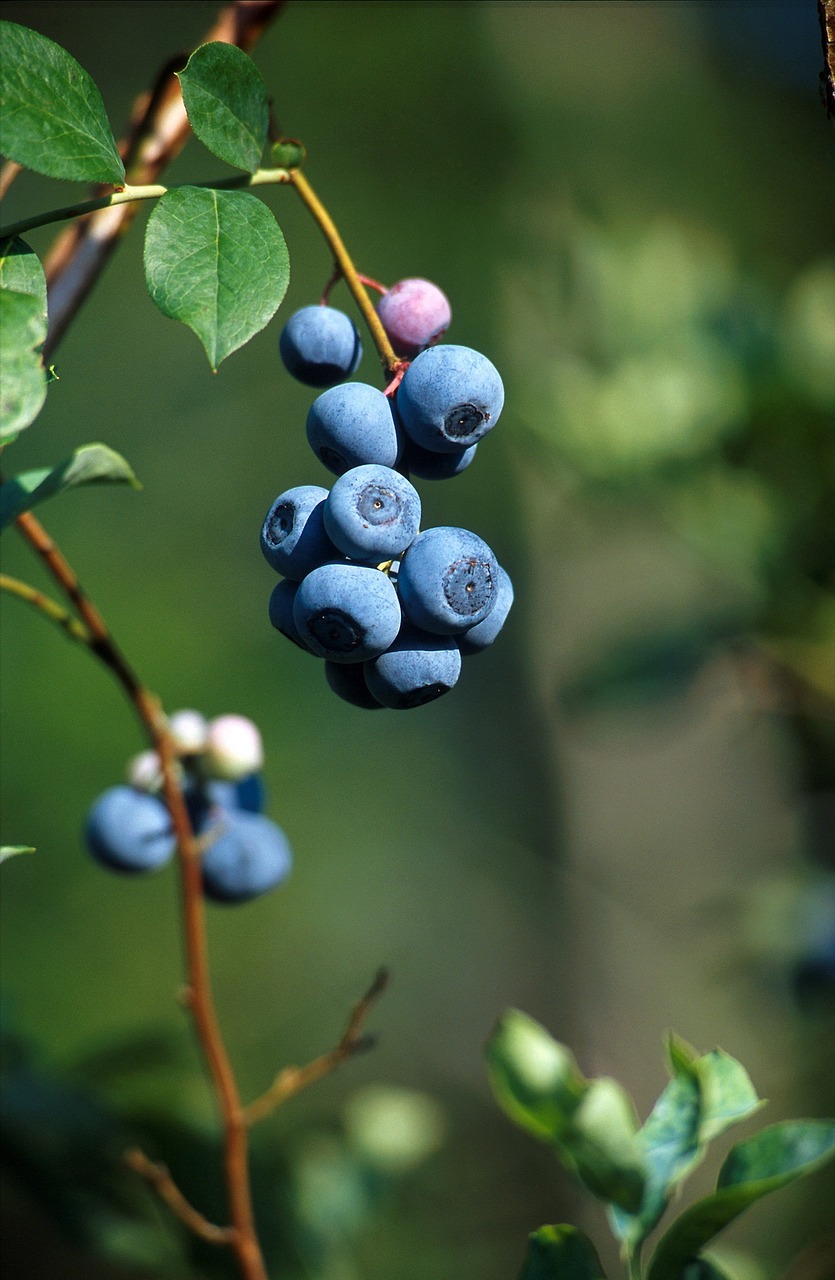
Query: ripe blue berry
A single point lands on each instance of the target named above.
(449, 398)
(348, 682)
(372, 513)
(282, 600)
(426, 464)
(128, 830)
(320, 346)
(351, 425)
(448, 580)
(417, 668)
(482, 635)
(293, 537)
(414, 313)
(347, 612)
(248, 856)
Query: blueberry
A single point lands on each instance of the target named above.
(414, 313)
(282, 599)
(426, 464)
(293, 537)
(448, 580)
(482, 635)
(320, 346)
(352, 425)
(449, 398)
(348, 682)
(248, 856)
(204, 799)
(372, 513)
(417, 668)
(347, 612)
(129, 830)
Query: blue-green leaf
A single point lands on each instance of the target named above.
(21, 271)
(226, 103)
(728, 1094)
(561, 1253)
(217, 261)
(770, 1160)
(52, 118)
(90, 464)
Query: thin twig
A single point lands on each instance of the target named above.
(159, 131)
(292, 1080)
(54, 611)
(158, 1177)
(8, 173)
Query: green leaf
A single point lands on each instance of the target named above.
(535, 1078)
(90, 464)
(12, 850)
(770, 1160)
(226, 103)
(601, 1145)
(217, 261)
(22, 375)
(670, 1142)
(21, 271)
(561, 1253)
(728, 1094)
(52, 118)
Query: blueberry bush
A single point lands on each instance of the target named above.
(394, 600)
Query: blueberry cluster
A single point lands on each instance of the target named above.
(244, 853)
(391, 609)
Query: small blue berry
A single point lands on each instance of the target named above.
(426, 464)
(482, 635)
(347, 681)
(447, 580)
(416, 669)
(248, 856)
(293, 537)
(347, 612)
(449, 398)
(372, 513)
(320, 346)
(128, 830)
(282, 599)
(351, 425)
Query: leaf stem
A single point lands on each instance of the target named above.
(128, 194)
(158, 1177)
(54, 611)
(391, 363)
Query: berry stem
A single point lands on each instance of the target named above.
(345, 265)
(54, 611)
(242, 1239)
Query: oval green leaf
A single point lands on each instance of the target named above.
(90, 464)
(22, 375)
(770, 1160)
(226, 103)
(561, 1253)
(52, 118)
(216, 261)
(535, 1078)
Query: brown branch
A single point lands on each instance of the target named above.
(8, 173)
(158, 1177)
(292, 1080)
(826, 15)
(158, 132)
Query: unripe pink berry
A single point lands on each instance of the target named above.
(415, 314)
(233, 749)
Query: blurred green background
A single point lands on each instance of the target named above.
(622, 819)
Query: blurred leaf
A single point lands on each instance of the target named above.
(52, 118)
(728, 1096)
(22, 376)
(535, 1078)
(226, 102)
(635, 670)
(21, 271)
(601, 1144)
(90, 464)
(12, 850)
(770, 1160)
(561, 1253)
(217, 261)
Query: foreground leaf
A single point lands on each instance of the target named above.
(22, 376)
(561, 1253)
(21, 271)
(12, 850)
(226, 103)
(217, 261)
(773, 1158)
(91, 464)
(52, 118)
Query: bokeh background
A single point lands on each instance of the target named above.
(621, 821)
